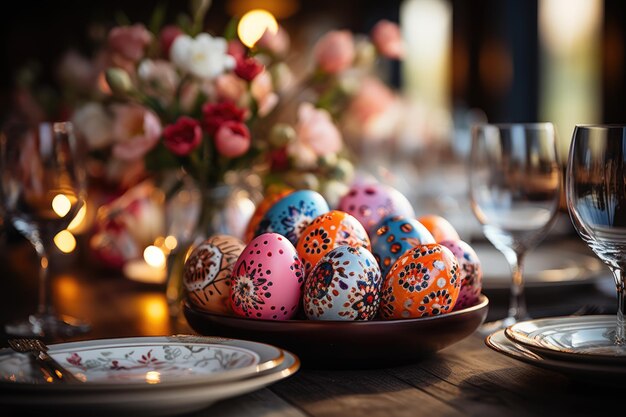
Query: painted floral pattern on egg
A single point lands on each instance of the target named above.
(344, 285)
(369, 203)
(267, 279)
(395, 235)
(422, 282)
(328, 231)
(268, 201)
(470, 271)
(207, 272)
(292, 214)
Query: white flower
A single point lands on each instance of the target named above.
(205, 56)
(93, 122)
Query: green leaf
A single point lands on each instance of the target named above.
(230, 32)
(158, 17)
(160, 158)
(122, 19)
(184, 22)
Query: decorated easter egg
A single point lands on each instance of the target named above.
(439, 227)
(422, 282)
(207, 272)
(393, 236)
(267, 279)
(344, 285)
(271, 197)
(369, 203)
(470, 272)
(326, 232)
(290, 215)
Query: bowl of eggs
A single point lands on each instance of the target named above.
(363, 285)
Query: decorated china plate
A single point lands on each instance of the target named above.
(588, 371)
(145, 375)
(348, 344)
(572, 338)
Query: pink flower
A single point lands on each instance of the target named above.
(182, 137)
(387, 38)
(248, 68)
(136, 131)
(236, 49)
(129, 41)
(159, 78)
(276, 43)
(216, 114)
(167, 37)
(261, 90)
(316, 130)
(372, 98)
(76, 70)
(232, 139)
(229, 87)
(335, 51)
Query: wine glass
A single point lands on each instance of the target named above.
(596, 200)
(42, 189)
(514, 187)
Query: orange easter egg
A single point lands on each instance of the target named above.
(439, 227)
(328, 231)
(423, 282)
(272, 196)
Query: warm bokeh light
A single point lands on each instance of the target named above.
(61, 205)
(65, 241)
(76, 224)
(153, 377)
(154, 256)
(170, 243)
(254, 24)
(153, 314)
(563, 24)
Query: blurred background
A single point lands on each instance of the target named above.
(466, 61)
(559, 60)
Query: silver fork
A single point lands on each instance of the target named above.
(39, 350)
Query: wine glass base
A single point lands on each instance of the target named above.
(493, 326)
(46, 325)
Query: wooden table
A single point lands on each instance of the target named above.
(465, 379)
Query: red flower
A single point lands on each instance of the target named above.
(183, 136)
(232, 139)
(167, 37)
(215, 114)
(279, 159)
(248, 68)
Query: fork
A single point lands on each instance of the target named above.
(39, 350)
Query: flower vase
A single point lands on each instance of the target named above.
(220, 209)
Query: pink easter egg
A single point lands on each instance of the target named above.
(369, 203)
(267, 279)
(470, 272)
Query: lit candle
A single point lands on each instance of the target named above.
(141, 271)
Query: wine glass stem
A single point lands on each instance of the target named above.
(45, 302)
(517, 302)
(620, 330)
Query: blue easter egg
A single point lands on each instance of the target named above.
(290, 215)
(344, 285)
(393, 236)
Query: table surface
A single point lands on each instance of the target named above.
(466, 378)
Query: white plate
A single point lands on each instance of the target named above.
(590, 371)
(548, 265)
(163, 390)
(572, 338)
(133, 363)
